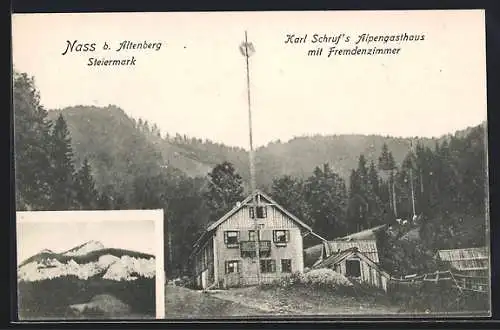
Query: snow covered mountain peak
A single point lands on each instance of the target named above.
(84, 249)
(86, 261)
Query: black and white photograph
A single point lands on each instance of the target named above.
(90, 265)
(324, 164)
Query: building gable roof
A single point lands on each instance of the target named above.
(367, 247)
(465, 259)
(350, 252)
(245, 202)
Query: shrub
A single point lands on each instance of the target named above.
(323, 278)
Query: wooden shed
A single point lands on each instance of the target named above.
(470, 266)
(356, 265)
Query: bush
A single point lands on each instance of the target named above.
(323, 278)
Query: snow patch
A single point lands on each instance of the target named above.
(85, 249)
(129, 269)
(125, 268)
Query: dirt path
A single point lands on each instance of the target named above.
(299, 302)
(185, 303)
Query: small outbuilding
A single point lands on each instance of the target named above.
(356, 265)
(470, 266)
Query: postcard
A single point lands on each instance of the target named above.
(324, 164)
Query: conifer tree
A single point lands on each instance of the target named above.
(289, 192)
(31, 143)
(326, 194)
(62, 169)
(86, 194)
(224, 190)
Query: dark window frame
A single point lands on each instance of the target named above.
(226, 239)
(288, 267)
(287, 236)
(259, 212)
(232, 262)
(349, 271)
(267, 266)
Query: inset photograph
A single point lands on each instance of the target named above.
(90, 265)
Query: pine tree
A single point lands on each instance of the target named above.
(357, 205)
(31, 143)
(225, 189)
(373, 179)
(62, 169)
(290, 193)
(86, 195)
(327, 198)
(387, 165)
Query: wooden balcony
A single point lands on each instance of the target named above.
(250, 246)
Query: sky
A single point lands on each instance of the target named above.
(60, 232)
(196, 83)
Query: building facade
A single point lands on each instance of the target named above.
(226, 254)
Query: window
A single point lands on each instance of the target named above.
(231, 238)
(353, 268)
(281, 236)
(286, 265)
(261, 212)
(267, 266)
(232, 266)
(251, 212)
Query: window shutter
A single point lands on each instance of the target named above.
(225, 237)
(264, 211)
(287, 234)
(273, 266)
(226, 266)
(251, 212)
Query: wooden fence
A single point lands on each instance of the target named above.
(460, 281)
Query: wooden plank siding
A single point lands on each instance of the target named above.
(243, 223)
(241, 220)
(370, 272)
(204, 267)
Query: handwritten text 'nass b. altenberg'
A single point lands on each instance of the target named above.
(76, 46)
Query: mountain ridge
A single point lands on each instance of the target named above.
(114, 142)
(108, 263)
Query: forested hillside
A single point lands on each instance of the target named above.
(98, 158)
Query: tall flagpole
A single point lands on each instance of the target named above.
(247, 50)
